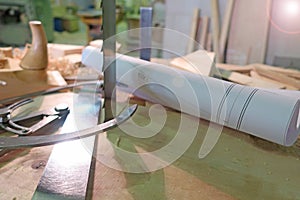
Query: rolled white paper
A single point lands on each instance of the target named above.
(267, 114)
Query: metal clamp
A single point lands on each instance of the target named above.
(10, 124)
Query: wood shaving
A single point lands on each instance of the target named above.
(2, 56)
(64, 66)
(18, 53)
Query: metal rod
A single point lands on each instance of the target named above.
(109, 53)
(145, 33)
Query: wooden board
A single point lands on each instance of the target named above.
(238, 164)
(193, 32)
(249, 32)
(216, 28)
(246, 80)
(209, 42)
(278, 77)
(255, 75)
(204, 32)
(236, 68)
(199, 62)
(289, 72)
(23, 82)
(225, 28)
(237, 158)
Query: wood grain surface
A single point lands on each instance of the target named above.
(239, 167)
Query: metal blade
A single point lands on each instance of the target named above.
(34, 141)
(43, 122)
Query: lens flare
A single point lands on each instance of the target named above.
(292, 7)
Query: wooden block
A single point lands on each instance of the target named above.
(60, 50)
(7, 51)
(199, 62)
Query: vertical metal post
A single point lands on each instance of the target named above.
(145, 33)
(109, 53)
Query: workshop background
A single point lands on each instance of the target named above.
(273, 30)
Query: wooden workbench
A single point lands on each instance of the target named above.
(239, 167)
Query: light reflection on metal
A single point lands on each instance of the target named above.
(45, 117)
(3, 83)
(34, 141)
(67, 171)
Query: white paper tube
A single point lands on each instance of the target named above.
(265, 114)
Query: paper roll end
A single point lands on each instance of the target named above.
(294, 126)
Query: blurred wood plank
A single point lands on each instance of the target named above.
(216, 27)
(225, 28)
(236, 68)
(289, 72)
(254, 74)
(193, 32)
(249, 30)
(209, 42)
(204, 32)
(199, 62)
(277, 76)
(246, 80)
